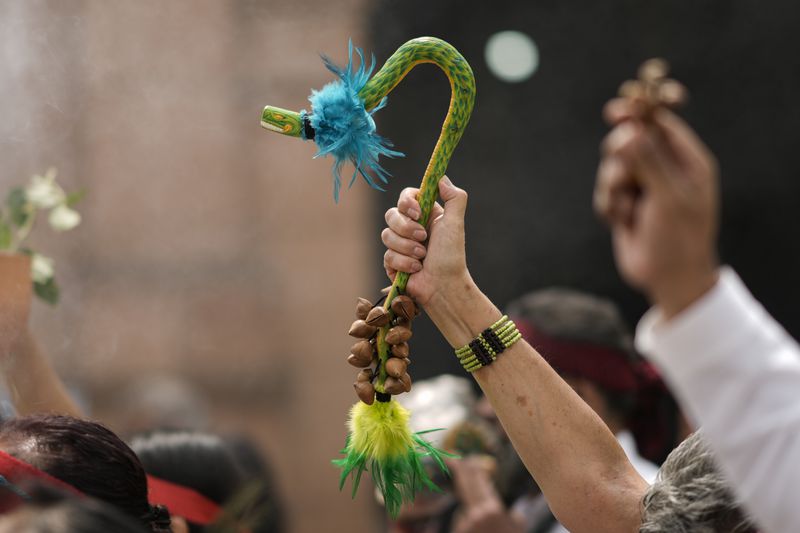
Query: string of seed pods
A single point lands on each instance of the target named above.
(653, 89)
(364, 355)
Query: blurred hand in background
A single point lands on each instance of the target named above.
(657, 189)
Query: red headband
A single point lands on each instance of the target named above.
(608, 367)
(182, 501)
(16, 471)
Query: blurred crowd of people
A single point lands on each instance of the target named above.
(60, 471)
(573, 429)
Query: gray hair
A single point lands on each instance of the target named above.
(572, 315)
(691, 496)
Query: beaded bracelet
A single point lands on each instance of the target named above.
(484, 349)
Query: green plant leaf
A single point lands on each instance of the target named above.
(18, 206)
(47, 291)
(5, 235)
(75, 197)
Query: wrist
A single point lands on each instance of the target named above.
(682, 291)
(461, 312)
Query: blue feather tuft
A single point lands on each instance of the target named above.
(345, 129)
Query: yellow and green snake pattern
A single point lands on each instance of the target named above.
(462, 85)
(462, 100)
(380, 441)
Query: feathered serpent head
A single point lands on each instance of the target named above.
(344, 128)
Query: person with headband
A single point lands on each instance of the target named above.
(199, 497)
(82, 457)
(585, 339)
(176, 463)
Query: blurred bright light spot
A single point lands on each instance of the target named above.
(512, 56)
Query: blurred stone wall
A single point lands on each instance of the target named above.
(210, 249)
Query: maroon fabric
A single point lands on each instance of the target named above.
(609, 368)
(654, 416)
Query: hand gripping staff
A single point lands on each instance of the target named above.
(341, 124)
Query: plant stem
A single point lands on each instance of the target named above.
(22, 233)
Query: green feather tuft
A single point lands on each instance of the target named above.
(381, 442)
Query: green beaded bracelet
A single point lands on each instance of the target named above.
(484, 349)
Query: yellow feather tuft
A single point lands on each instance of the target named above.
(380, 430)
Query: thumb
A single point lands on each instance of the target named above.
(455, 199)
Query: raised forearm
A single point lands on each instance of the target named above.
(33, 383)
(574, 458)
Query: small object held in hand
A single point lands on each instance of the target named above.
(362, 308)
(653, 70)
(378, 316)
(400, 350)
(398, 335)
(653, 89)
(365, 391)
(403, 306)
(396, 367)
(361, 330)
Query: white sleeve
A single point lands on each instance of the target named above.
(736, 372)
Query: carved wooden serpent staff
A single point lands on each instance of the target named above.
(341, 124)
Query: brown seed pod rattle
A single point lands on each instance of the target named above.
(653, 89)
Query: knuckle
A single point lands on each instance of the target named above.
(386, 236)
(408, 195)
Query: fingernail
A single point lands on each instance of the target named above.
(416, 267)
(419, 252)
(446, 181)
(413, 213)
(420, 235)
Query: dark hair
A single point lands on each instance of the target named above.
(51, 511)
(271, 517)
(86, 455)
(206, 463)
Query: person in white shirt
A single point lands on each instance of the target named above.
(733, 368)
